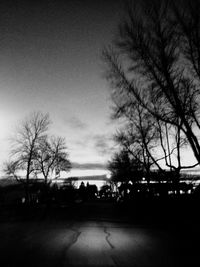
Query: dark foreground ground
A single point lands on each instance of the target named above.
(100, 234)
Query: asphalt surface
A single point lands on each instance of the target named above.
(93, 234)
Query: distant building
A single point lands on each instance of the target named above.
(98, 180)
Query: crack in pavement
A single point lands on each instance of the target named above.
(68, 246)
(114, 260)
(107, 237)
(75, 237)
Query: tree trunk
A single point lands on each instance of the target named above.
(27, 193)
(177, 181)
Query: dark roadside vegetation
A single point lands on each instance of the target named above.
(42, 232)
(137, 206)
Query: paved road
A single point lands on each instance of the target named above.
(53, 241)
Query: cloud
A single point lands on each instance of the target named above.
(82, 142)
(93, 147)
(76, 123)
(103, 144)
(89, 166)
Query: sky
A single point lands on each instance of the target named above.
(50, 61)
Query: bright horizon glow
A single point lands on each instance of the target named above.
(82, 173)
(75, 173)
(51, 62)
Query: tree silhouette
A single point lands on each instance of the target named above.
(155, 61)
(30, 133)
(125, 168)
(51, 157)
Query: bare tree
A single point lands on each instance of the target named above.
(139, 136)
(143, 135)
(51, 157)
(172, 142)
(29, 135)
(155, 61)
(11, 168)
